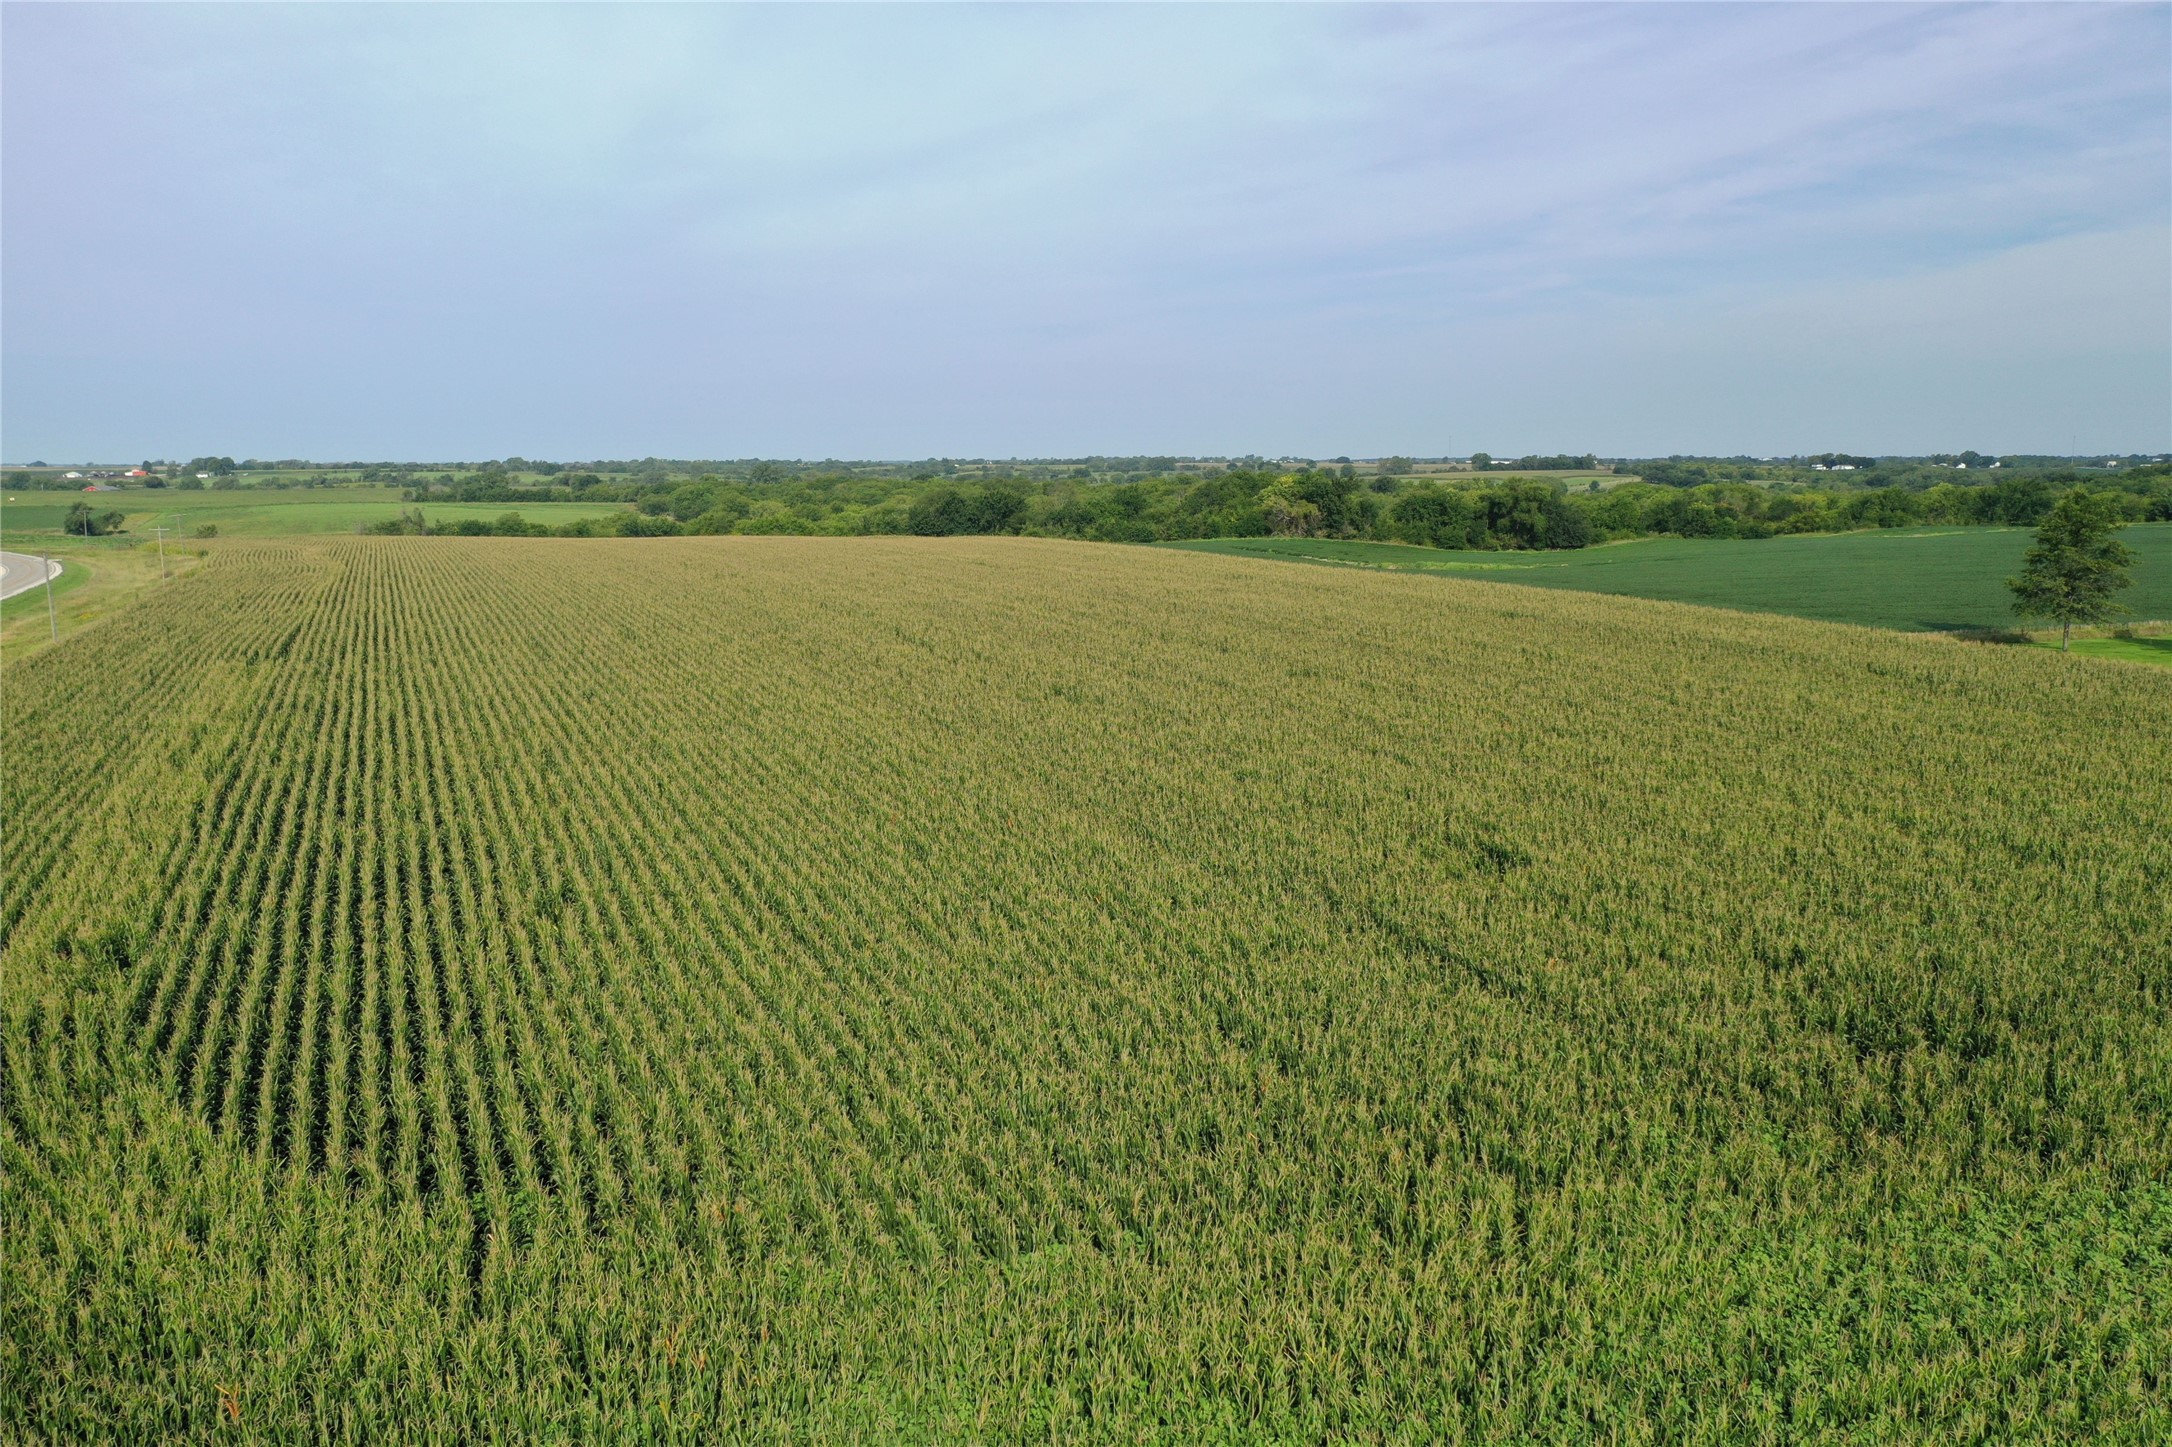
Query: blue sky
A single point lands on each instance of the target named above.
(573, 231)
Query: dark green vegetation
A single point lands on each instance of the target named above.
(984, 989)
(1475, 505)
(1447, 511)
(84, 521)
(2076, 566)
(1916, 579)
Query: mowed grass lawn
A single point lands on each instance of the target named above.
(2133, 650)
(265, 513)
(1915, 579)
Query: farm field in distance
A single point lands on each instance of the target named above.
(265, 512)
(997, 989)
(1913, 579)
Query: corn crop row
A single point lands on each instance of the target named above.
(988, 989)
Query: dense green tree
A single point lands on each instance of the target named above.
(941, 512)
(2015, 501)
(948, 510)
(1534, 515)
(2069, 576)
(1885, 507)
(1344, 508)
(690, 501)
(1433, 516)
(1290, 514)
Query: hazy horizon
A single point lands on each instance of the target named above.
(565, 232)
(252, 462)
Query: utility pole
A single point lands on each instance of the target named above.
(162, 554)
(52, 619)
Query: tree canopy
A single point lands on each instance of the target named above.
(2076, 564)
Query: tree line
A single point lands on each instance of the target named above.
(1463, 512)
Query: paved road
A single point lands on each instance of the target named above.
(20, 572)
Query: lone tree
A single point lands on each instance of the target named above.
(2076, 565)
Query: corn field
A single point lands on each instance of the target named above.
(995, 990)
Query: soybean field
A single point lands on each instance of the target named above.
(1914, 579)
(949, 990)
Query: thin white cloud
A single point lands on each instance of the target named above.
(983, 199)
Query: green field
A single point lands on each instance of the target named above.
(1916, 579)
(2132, 650)
(737, 989)
(250, 513)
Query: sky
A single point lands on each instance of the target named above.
(436, 232)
